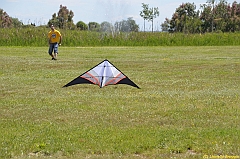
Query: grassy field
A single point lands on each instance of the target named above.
(187, 107)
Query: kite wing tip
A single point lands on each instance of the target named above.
(65, 86)
(137, 87)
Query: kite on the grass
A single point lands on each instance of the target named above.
(103, 74)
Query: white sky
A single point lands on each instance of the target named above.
(40, 11)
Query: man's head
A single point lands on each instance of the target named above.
(52, 27)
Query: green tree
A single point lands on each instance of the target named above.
(132, 25)
(149, 13)
(145, 13)
(206, 18)
(185, 19)
(212, 5)
(153, 13)
(106, 27)
(54, 20)
(165, 25)
(128, 25)
(64, 18)
(82, 26)
(5, 20)
(234, 22)
(93, 26)
(121, 26)
(221, 16)
(16, 23)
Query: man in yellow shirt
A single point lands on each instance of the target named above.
(55, 39)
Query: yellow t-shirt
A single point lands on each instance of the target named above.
(54, 36)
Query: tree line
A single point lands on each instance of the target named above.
(214, 16)
(64, 20)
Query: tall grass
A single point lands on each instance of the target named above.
(38, 37)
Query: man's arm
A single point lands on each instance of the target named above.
(60, 39)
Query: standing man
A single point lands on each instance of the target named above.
(54, 39)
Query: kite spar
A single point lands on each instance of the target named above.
(103, 74)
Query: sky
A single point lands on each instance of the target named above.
(41, 11)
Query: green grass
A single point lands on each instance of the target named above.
(187, 107)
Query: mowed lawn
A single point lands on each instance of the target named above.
(188, 105)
